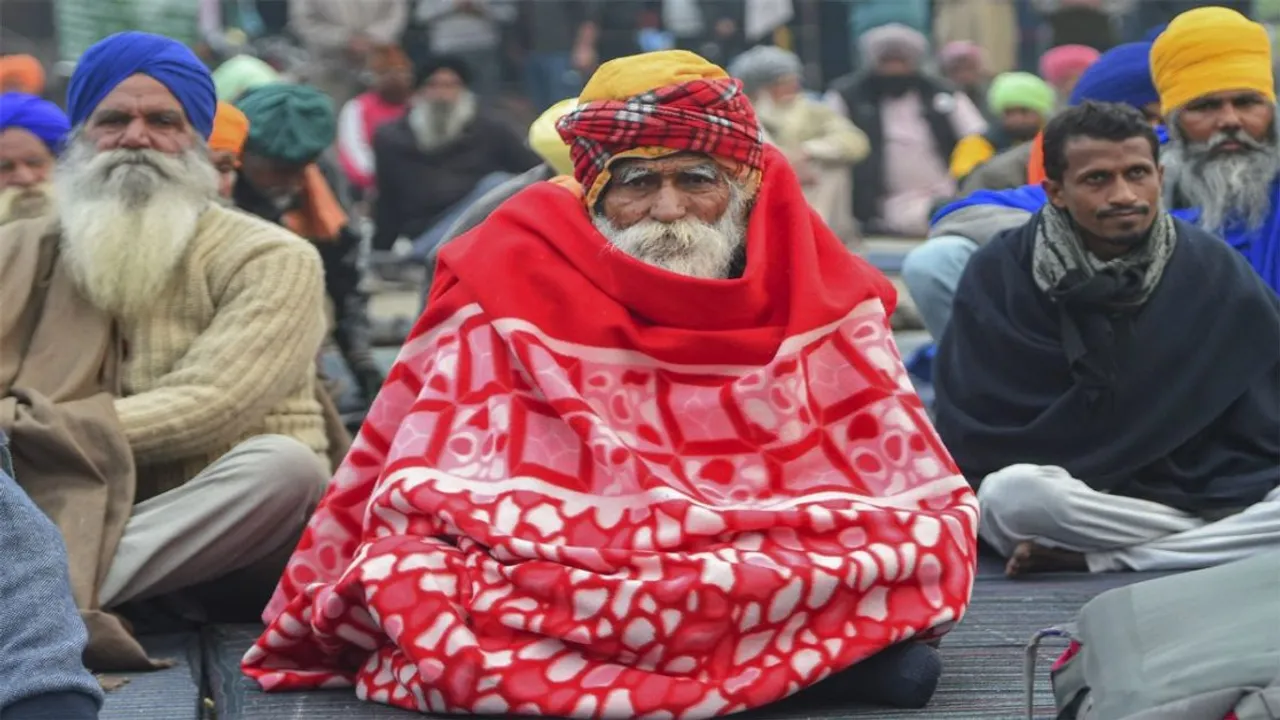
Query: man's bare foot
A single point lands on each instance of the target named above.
(1030, 558)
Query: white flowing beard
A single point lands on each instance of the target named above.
(127, 217)
(687, 247)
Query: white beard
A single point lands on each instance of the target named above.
(127, 218)
(1227, 187)
(22, 203)
(685, 247)
(435, 125)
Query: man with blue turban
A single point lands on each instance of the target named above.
(211, 423)
(32, 131)
(998, 197)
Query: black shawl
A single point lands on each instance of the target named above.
(1188, 414)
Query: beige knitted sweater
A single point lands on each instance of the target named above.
(228, 353)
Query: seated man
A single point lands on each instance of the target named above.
(230, 130)
(654, 434)
(32, 131)
(932, 270)
(202, 322)
(1217, 88)
(1021, 103)
(281, 180)
(821, 144)
(442, 156)
(1116, 415)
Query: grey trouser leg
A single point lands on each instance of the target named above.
(240, 509)
(1045, 504)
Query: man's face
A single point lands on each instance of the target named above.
(25, 161)
(443, 87)
(785, 90)
(964, 72)
(140, 114)
(227, 164)
(1151, 111)
(1226, 144)
(394, 84)
(894, 67)
(1219, 116)
(1111, 190)
(280, 182)
(1022, 124)
(681, 213)
(25, 168)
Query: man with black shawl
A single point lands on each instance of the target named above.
(1111, 375)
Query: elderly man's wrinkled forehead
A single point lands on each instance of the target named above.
(1225, 112)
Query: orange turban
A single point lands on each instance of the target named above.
(230, 128)
(21, 73)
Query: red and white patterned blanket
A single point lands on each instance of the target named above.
(591, 488)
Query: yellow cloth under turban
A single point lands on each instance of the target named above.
(629, 76)
(1210, 50)
(230, 128)
(690, 105)
(546, 141)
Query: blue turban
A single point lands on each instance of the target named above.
(114, 59)
(1121, 75)
(37, 116)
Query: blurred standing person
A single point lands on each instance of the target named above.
(559, 40)
(21, 73)
(712, 28)
(821, 144)
(964, 65)
(1063, 65)
(992, 24)
(340, 34)
(913, 121)
(471, 30)
(386, 101)
(438, 159)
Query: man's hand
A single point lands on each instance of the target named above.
(725, 27)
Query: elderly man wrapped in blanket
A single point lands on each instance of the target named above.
(669, 466)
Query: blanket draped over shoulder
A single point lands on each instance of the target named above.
(59, 374)
(599, 489)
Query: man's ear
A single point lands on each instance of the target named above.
(1053, 191)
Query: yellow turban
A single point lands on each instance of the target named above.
(230, 128)
(546, 141)
(1209, 50)
(627, 77)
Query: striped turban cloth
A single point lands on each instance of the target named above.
(702, 111)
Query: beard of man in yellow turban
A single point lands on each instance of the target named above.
(1212, 67)
(668, 152)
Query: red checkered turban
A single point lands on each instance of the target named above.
(703, 111)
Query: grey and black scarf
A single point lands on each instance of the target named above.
(1070, 274)
(1097, 299)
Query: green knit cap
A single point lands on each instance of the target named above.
(290, 123)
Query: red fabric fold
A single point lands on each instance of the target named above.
(592, 488)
